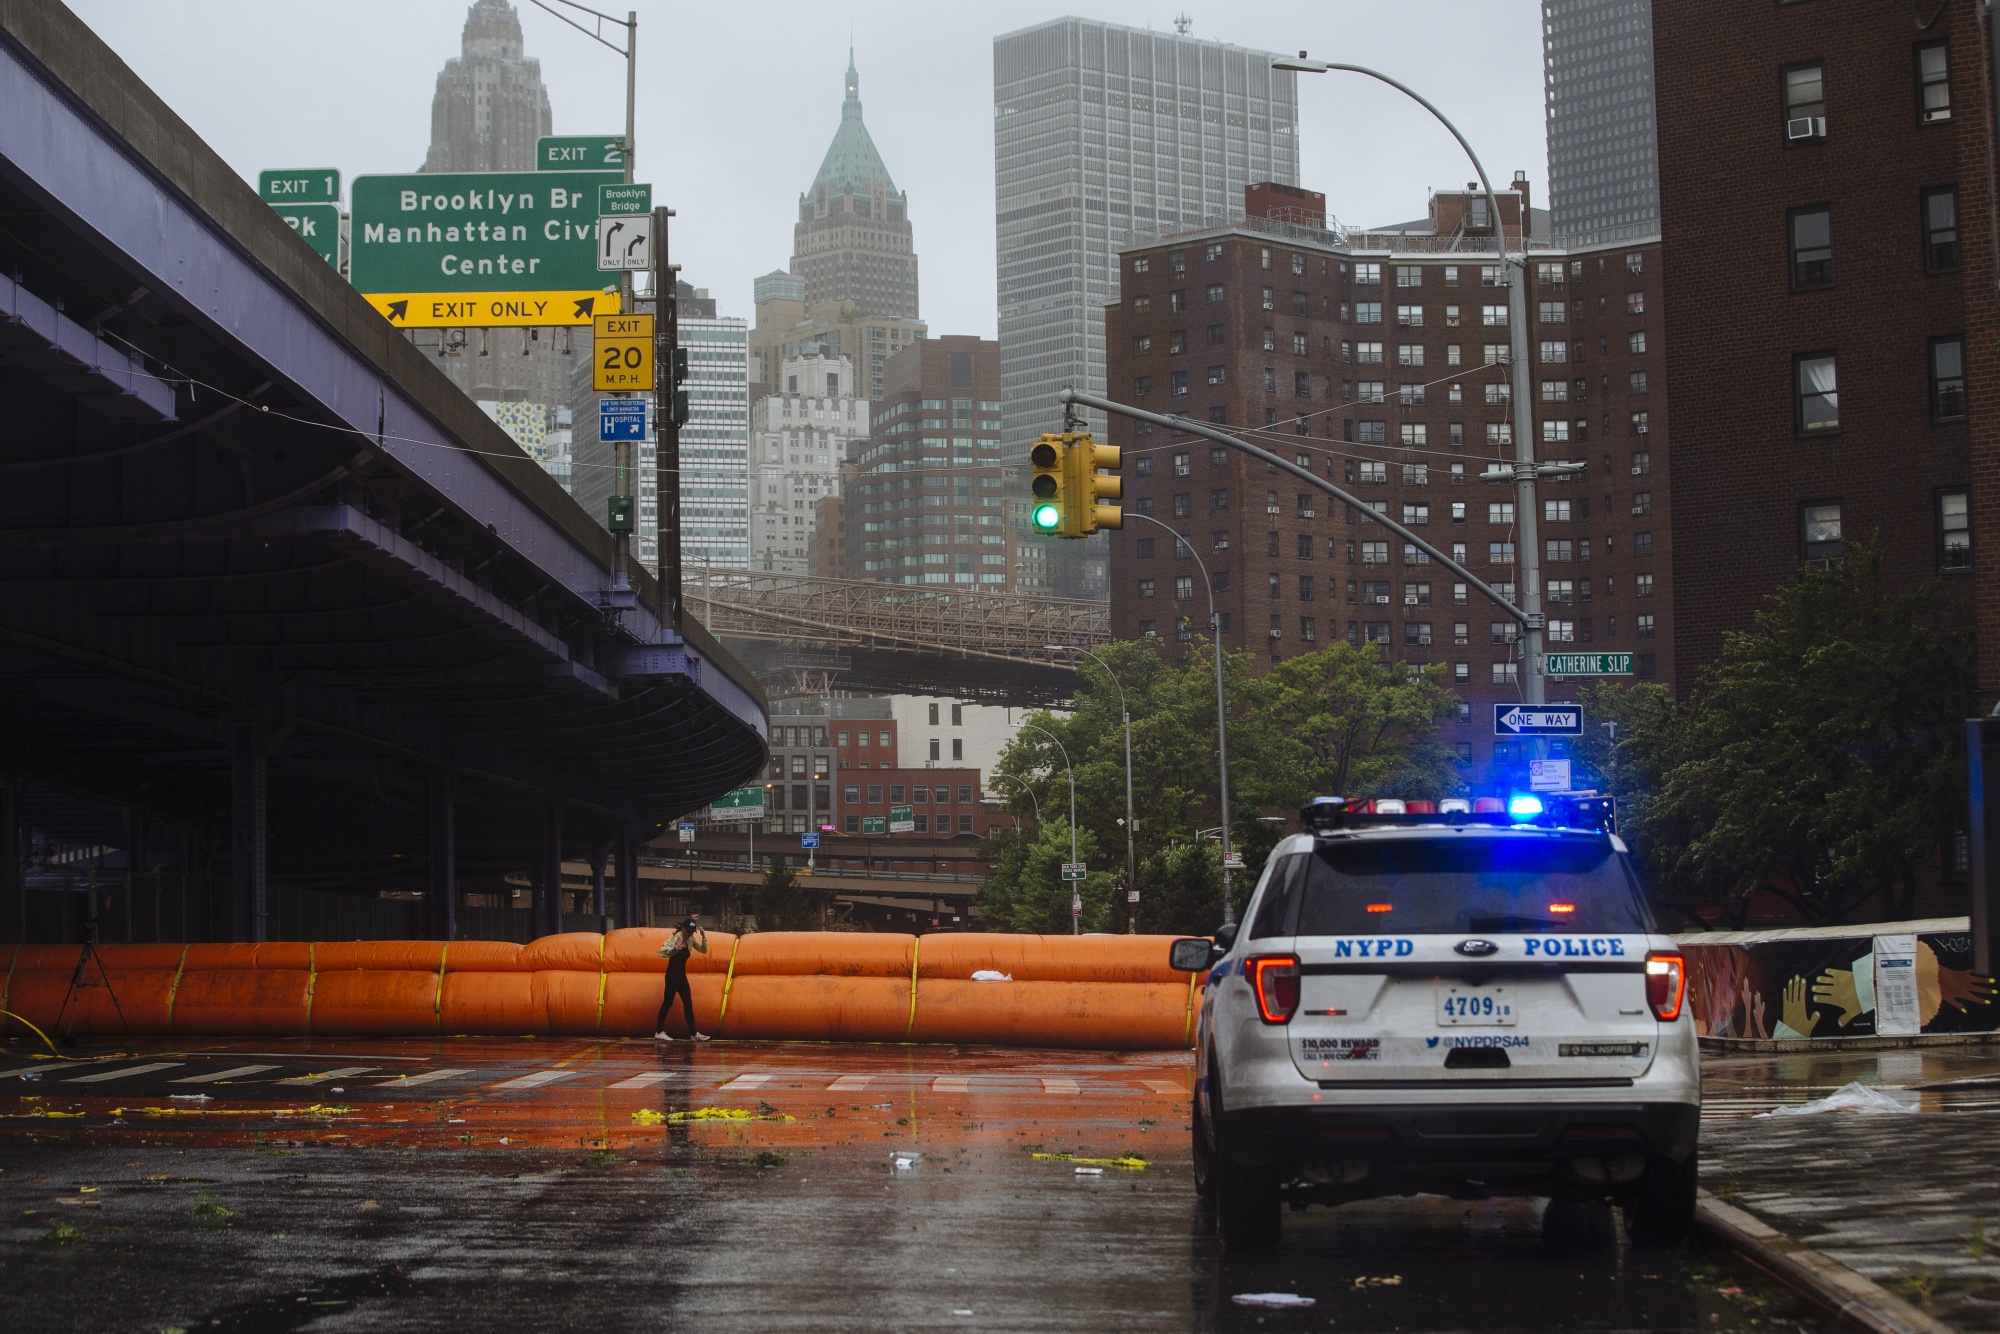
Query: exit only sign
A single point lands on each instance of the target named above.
(1587, 664)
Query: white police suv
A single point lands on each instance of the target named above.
(1449, 1001)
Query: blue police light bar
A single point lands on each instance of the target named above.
(1324, 815)
(1524, 807)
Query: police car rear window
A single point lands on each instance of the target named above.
(1426, 886)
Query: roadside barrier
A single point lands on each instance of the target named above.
(1066, 991)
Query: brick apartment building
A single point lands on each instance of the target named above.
(1825, 188)
(927, 493)
(1379, 360)
(942, 801)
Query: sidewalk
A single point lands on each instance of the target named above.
(1911, 1201)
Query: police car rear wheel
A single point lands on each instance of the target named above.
(1248, 1206)
(1204, 1151)
(1661, 1211)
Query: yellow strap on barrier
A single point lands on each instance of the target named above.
(443, 954)
(174, 988)
(600, 981)
(916, 948)
(728, 984)
(312, 982)
(1187, 1032)
(7, 986)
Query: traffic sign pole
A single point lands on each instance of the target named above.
(667, 455)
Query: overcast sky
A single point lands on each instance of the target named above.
(737, 103)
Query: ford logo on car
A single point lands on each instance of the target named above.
(1476, 949)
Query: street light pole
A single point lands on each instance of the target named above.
(1221, 712)
(1131, 861)
(1525, 471)
(1076, 895)
(1031, 797)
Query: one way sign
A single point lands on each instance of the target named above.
(624, 243)
(1537, 720)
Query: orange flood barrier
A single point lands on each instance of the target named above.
(1066, 991)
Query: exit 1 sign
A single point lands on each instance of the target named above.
(306, 186)
(1587, 664)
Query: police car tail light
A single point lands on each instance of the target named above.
(1488, 805)
(1274, 978)
(1666, 985)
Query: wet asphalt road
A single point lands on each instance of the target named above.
(730, 1187)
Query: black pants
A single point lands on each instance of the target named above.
(677, 985)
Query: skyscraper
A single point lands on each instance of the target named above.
(1103, 136)
(1604, 161)
(852, 242)
(490, 105)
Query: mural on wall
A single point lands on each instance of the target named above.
(1865, 986)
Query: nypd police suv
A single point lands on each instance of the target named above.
(1454, 1001)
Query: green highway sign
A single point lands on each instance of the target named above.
(1587, 664)
(1075, 871)
(624, 201)
(317, 224)
(873, 824)
(580, 152)
(475, 232)
(745, 803)
(902, 820)
(303, 186)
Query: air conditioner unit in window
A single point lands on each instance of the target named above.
(1308, 514)
(1273, 509)
(1936, 114)
(1277, 634)
(1805, 127)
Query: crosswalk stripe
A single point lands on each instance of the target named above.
(850, 1082)
(647, 1080)
(748, 1082)
(951, 1084)
(216, 1076)
(103, 1075)
(324, 1075)
(1050, 1085)
(536, 1080)
(1167, 1086)
(404, 1081)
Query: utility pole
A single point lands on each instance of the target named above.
(666, 415)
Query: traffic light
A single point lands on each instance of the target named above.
(1067, 486)
(680, 408)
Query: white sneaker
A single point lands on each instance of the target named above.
(663, 1036)
(700, 1037)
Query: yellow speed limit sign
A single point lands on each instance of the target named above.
(622, 352)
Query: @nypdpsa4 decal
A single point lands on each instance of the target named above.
(1479, 1040)
(1343, 1049)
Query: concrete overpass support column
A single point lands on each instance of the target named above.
(249, 900)
(628, 876)
(13, 875)
(597, 859)
(441, 894)
(549, 882)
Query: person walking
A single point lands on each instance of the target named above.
(687, 937)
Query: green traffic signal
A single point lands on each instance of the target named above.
(1046, 517)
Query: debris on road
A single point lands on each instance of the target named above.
(1279, 1300)
(1851, 1097)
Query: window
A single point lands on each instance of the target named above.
(1642, 585)
(1143, 466)
(1458, 511)
(1805, 103)
(1368, 312)
(1416, 515)
(1374, 470)
(1819, 531)
(1635, 262)
(1417, 633)
(1561, 632)
(1218, 499)
(1499, 553)
(1298, 303)
(1493, 317)
(1183, 587)
(1374, 433)
(1642, 544)
(1409, 275)
(1215, 375)
(1216, 293)
(1506, 674)
(1639, 423)
(1211, 252)
(1941, 230)
(1305, 587)
(1417, 595)
(1503, 632)
(1181, 465)
(1451, 275)
(1177, 342)
(1552, 312)
(1269, 304)
(1555, 391)
(1555, 432)
(1368, 354)
(1499, 391)
(1559, 590)
(1142, 265)
(1954, 530)
(1642, 502)
(1643, 624)
(1635, 342)
(1145, 548)
(1499, 433)
(1141, 304)
(1217, 335)
(1817, 393)
(1301, 385)
(1145, 588)
(1549, 275)
(1177, 383)
(1177, 301)
(1181, 505)
(1376, 553)
(1300, 347)
(1451, 320)
(957, 752)
(1933, 83)
(1642, 462)
(1812, 248)
(1305, 546)
(1141, 385)
(1368, 274)
(1461, 632)
(1947, 378)
(1218, 456)
(1500, 511)
(1554, 352)
(1636, 383)
(1375, 632)
(1560, 550)
(1555, 511)
(1410, 317)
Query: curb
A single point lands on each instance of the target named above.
(1859, 1301)
(1715, 1046)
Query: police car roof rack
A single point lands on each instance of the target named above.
(1596, 814)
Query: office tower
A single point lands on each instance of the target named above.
(1379, 361)
(788, 327)
(715, 442)
(798, 441)
(490, 104)
(1597, 63)
(852, 242)
(1104, 135)
(1826, 182)
(927, 495)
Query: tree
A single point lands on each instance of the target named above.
(1026, 891)
(1345, 722)
(1182, 892)
(780, 904)
(1819, 758)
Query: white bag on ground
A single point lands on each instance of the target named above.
(1855, 1097)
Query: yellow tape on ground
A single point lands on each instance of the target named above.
(174, 989)
(728, 984)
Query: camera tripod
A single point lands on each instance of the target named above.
(72, 1003)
